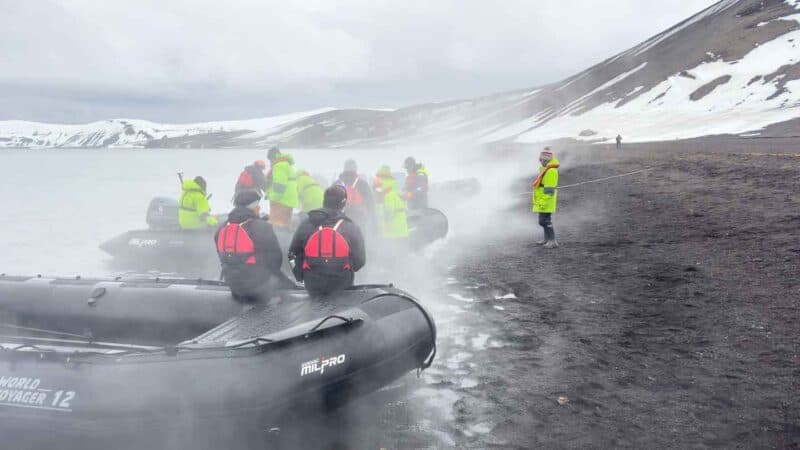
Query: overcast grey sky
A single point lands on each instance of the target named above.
(186, 60)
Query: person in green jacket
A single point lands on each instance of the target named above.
(281, 188)
(309, 192)
(194, 212)
(545, 196)
(391, 207)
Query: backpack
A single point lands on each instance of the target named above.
(245, 179)
(327, 251)
(354, 197)
(235, 246)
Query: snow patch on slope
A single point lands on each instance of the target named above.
(539, 118)
(719, 7)
(576, 103)
(733, 107)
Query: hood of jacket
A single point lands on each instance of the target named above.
(283, 157)
(241, 214)
(348, 177)
(553, 163)
(191, 185)
(320, 216)
(388, 185)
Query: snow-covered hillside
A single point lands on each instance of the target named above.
(731, 69)
(729, 91)
(134, 133)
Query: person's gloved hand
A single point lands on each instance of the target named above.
(212, 221)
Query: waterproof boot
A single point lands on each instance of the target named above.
(542, 242)
(551, 244)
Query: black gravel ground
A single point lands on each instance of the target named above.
(669, 316)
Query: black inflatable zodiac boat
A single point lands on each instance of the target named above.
(177, 364)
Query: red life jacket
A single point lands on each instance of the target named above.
(327, 250)
(235, 246)
(354, 196)
(245, 179)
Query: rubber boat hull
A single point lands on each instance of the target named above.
(189, 253)
(144, 246)
(219, 389)
(426, 226)
(193, 254)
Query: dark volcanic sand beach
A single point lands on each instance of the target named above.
(668, 317)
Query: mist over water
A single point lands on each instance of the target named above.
(61, 204)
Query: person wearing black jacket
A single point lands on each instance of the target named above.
(361, 203)
(252, 178)
(249, 251)
(318, 280)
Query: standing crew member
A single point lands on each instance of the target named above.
(619, 141)
(281, 188)
(328, 248)
(391, 208)
(194, 212)
(252, 178)
(545, 196)
(248, 250)
(416, 190)
(360, 202)
(309, 192)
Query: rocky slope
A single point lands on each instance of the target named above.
(733, 68)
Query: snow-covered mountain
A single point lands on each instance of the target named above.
(734, 68)
(138, 133)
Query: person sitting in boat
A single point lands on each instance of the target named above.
(252, 178)
(309, 192)
(194, 212)
(328, 248)
(249, 251)
(360, 201)
(416, 189)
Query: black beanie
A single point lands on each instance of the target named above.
(335, 197)
(273, 153)
(246, 198)
(200, 182)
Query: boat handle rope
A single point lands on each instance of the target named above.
(41, 330)
(172, 351)
(321, 322)
(254, 341)
(30, 346)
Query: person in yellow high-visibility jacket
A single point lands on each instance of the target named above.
(545, 196)
(281, 188)
(392, 207)
(194, 212)
(309, 193)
